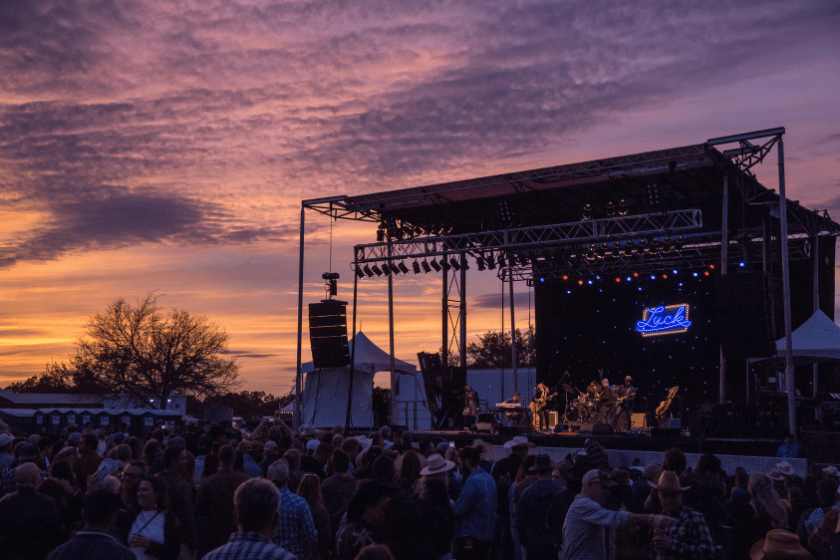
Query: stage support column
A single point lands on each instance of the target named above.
(297, 418)
(724, 269)
(512, 336)
(789, 381)
(394, 408)
(816, 255)
(462, 346)
(444, 347)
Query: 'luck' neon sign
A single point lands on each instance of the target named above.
(667, 319)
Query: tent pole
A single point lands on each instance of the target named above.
(347, 419)
(297, 418)
(789, 381)
(816, 255)
(724, 268)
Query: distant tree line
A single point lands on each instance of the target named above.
(493, 350)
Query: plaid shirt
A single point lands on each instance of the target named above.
(296, 530)
(249, 546)
(691, 537)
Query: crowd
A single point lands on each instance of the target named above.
(275, 493)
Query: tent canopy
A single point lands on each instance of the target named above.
(816, 340)
(370, 358)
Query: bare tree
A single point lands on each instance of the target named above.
(140, 351)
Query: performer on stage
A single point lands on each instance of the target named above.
(540, 406)
(626, 395)
(606, 402)
(470, 405)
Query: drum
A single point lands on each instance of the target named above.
(572, 414)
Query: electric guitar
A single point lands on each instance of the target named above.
(539, 404)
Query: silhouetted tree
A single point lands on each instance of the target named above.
(493, 350)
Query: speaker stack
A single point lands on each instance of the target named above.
(328, 334)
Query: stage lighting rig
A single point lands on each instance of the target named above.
(332, 283)
(359, 272)
(403, 268)
(377, 270)
(611, 209)
(394, 230)
(587, 212)
(386, 268)
(601, 250)
(426, 268)
(368, 271)
(490, 262)
(416, 266)
(455, 264)
(616, 251)
(444, 264)
(653, 195)
(435, 265)
(479, 262)
(622, 207)
(504, 210)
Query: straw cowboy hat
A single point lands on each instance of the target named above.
(437, 464)
(518, 441)
(668, 482)
(486, 448)
(785, 468)
(779, 545)
(774, 474)
(831, 470)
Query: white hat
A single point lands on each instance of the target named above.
(312, 444)
(831, 470)
(365, 442)
(5, 439)
(519, 440)
(437, 464)
(785, 468)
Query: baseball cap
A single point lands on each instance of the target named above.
(312, 444)
(5, 439)
(601, 476)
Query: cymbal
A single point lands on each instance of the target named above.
(568, 389)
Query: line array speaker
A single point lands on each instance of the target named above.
(328, 333)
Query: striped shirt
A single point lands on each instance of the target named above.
(249, 546)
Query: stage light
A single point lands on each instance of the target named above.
(652, 277)
(368, 271)
(403, 268)
(590, 254)
(490, 262)
(359, 272)
(706, 273)
(380, 233)
(394, 231)
(635, 275)
(426, 268)
(653, 195)
(695, 275)
(742, 265)
(466, 265)
(679, 243)
(416, 266)
(479, 262)
(377, 270)
(616, 251)
(565, 277)
(611, 209)
(542, 279)
(445, 264)
(618, 279)
(590, 282)
(597, 278)
(629, 279)
(587, 212)
(435, 265)
(622, 207)
(665, 276)
(455, 264)
(712, 266)
(504, 210)
(674, 271)
(580, 282)
(386, 268)
(601, 250)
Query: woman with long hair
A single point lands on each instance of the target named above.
(154, 533)
(409, 471)
(309, 489)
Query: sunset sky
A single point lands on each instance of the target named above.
(161, 146)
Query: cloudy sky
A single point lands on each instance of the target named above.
(166, 146)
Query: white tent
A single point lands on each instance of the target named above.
(816, 340)
(326, 390)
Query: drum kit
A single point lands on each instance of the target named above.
(580, 409)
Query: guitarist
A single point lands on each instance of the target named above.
(626, 395)
(539, 406)
(606, 402)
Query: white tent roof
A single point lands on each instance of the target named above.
(370, 358)
(818, 339)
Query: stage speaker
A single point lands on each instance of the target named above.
(637, 419)
(328, 333)
(745, 322)
(482, 427)
(553, 418)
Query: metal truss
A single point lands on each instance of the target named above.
(747, 154)
(534, 237)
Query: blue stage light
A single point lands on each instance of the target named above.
(741, 265)
(543, 279)
(628, 278)
(590, 281)
(596, 278)
(674, 271)
(695, 274)
(652, 277)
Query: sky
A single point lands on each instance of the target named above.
(165, 147)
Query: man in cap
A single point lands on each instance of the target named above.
(296, 529)
(789, 449)
(7, 456)
(338, 489)
(625, 395)
(26, 453)
(689, 536)
(95, 541)
(215, 499)
(88, 461)
(587, 531)
(476, 508)
(535, 528)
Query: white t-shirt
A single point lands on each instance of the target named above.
(150, 525)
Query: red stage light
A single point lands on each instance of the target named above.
(636, 274)
(618, 279)
(580, 281)
(664, 276)
(565, 278)
(712, 266)
(706, 273)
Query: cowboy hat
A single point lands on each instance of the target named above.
(779, 544)
(542, 463)
(785, 468)
(518, 441)
(365, 442)
(669, 481)
(774, 474)
(831, 470)
(486, 448)
(437, 464)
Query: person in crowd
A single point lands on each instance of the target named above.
(365, 518)
(375, 552)
(688, 537)
(588, 528)
(310, 490)
(88, 461)
(180, 493)
(25, 452)
(257, 505)
(409, 470)
(296, 529)
(434, 492)
(7, 456)
(532, 512)
(30, 523)
(252, 458)
(338, 489)
(154, 533)
(95, 541)
(270, 454)
(215, 500)
(476, 508)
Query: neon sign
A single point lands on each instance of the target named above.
(668, 319)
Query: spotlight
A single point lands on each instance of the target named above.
(524, 260)
(601, 250)
(386, 268)
(678, 245)
(653, 195)
(587, 212)
(622, 207)
(416, 266)
(359, 272)
(616, 250)
(377, 270)
(445, 264)
(611, 210)
(742, 265)
(590, 254)
(511, 260)
(455, 264)
(394, 231)
(368, 271)
(426, 268)
(479, 262)
(466, 265)
(490, 263)
(435, 265)
(380, 233)
(403, 268)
